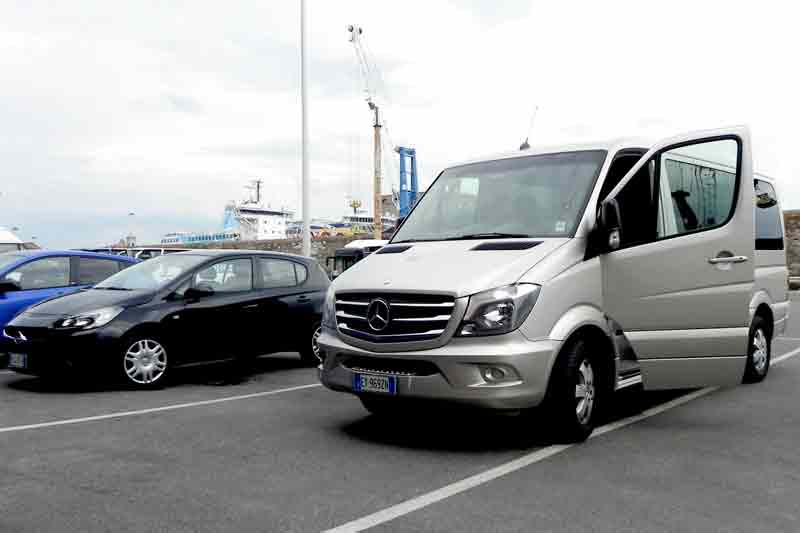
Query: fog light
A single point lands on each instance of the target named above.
(498, 374)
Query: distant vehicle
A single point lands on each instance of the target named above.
(171, 310)
(556, 276)
(9, 242)
(352, 253)
(29, 277)
(139, 252)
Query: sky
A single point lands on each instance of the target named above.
(168, 109)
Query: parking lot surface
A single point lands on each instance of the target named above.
(267, 449)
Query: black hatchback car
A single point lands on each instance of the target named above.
(175, 309)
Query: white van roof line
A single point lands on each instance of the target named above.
(611, 145)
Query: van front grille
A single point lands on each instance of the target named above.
(392, 317)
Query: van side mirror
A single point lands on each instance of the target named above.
(609, 223)
(8, 285)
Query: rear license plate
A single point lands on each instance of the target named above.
(374, 383)
(18, 360)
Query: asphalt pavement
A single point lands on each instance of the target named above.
(268, 449)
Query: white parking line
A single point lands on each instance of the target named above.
(123, 414)
(6, 371)
(424, 500)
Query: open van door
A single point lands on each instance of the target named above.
(679, 272)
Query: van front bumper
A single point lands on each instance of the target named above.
(451, 373)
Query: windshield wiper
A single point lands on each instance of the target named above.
(112, 289)
(490, 235)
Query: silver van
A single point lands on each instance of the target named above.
(557, 276)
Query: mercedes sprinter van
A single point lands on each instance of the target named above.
(557, 276)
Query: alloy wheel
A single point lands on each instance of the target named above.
(584, 392)
(760, 351)
(145, 362)
(315, 349)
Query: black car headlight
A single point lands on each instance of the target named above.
(92, 319)
(498, 311)
(329, 309)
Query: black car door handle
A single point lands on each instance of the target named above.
(251, 306)
(303, 299)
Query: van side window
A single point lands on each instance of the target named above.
(769, 232)
(696, 186)
(683, 190)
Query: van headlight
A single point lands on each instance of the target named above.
(329, 309)
(498, 311)
(92, 319)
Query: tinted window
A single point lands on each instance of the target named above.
(682, 190)
(280, 273)
(42, 273)
(769, 233)
(92, 270)
(235, 275)
(696, 186)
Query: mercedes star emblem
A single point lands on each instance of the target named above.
(378, 314)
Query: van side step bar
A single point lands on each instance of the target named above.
(629, 379)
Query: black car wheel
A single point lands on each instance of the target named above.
(310, 352)
(144, 362)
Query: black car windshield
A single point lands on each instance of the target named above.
(534, 196)
(152, 274)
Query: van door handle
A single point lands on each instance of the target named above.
(727, 259)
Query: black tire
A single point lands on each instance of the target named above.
(759, 351)
(148, 371)
(572, 420)
(310, 354)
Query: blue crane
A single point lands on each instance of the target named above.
(409, 187)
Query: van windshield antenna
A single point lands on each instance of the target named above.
(525, 145)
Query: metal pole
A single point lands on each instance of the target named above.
(377, 221)
(306, 196)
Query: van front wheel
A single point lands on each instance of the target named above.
(576, 393)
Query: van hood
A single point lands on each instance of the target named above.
(453, 267)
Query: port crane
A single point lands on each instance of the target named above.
(409, 186)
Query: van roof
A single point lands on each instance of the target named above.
(610, 145)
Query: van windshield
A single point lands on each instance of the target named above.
(534, 196)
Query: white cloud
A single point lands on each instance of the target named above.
(167, 109)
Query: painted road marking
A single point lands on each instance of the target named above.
(424, 500)
(123, 414)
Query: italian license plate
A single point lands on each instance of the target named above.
(18, 360)
(375, 383)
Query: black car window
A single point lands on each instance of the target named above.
(44, 273)
(92, 270)
(235, 275)
(277, 273)
(769, 232)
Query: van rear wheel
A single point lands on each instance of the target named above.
(576, 393)
(759, 351)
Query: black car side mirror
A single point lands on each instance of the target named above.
(609, 223)
(200, 291)
(8, 285)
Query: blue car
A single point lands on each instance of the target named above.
(30, 277)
